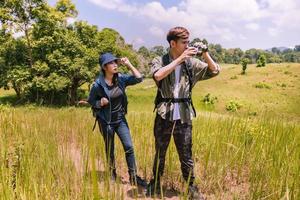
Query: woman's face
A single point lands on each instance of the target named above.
(111, 67)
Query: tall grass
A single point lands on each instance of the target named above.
(48, 153)
(254, 153)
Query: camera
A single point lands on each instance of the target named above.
(201, 47)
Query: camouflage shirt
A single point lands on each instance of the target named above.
(199, 71)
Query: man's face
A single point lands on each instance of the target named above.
(180, 45)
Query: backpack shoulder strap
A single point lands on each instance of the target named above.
(188, 68)
(165, 62)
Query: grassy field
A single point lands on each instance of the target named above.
(251, 150)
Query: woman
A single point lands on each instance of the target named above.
(109, 102)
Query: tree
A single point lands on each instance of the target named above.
(20, 16)
(216, 52)
(261, 61)
(144, 52)
(275, 50)
(158, 50)
(63, 56)
(253, 54)
(244, 63)
(297, 48)
(14, 66)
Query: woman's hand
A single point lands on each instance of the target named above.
(125, 61)
(103, 101)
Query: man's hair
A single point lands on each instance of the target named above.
(177, 33)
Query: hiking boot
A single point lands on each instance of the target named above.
(153, 188)
(137, 181)
(194, 193)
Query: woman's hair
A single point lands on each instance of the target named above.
(115, 76)
(177, 33)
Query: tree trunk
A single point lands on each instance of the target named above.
(29, 47)
(73, 92)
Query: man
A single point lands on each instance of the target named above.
(175, 75)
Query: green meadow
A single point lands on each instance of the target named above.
(246, 142)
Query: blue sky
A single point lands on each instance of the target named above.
(231, 23)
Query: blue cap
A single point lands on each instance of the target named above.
(106, 58)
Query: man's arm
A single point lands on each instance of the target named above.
(214, 68)
(165, 71)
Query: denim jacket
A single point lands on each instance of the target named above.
(100, 89)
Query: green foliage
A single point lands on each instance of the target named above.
(158, 50)
(262, 85)
(281, 84)
(233, 55)
(287, 72)
(209, 100)
(261, 61)
(233, 106)
(54, 58)
(244, 63)
(144, 52)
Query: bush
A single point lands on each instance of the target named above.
(244, 63)
(209, 100)
(261, 61)
(281, 85)
(262, 85)
(287, 72)
(233, 106)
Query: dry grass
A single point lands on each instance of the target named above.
(52, 153)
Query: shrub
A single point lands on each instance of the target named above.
(209, 100)
(244, 63)
(281, 85)
(233, 106)
(261, 61)
(262, 85)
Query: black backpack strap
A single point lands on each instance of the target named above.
(188, 68)
(175, 100)
(94, 126)
(165, 62)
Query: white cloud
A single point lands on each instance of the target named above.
(156, 31)
(252, 26)
(242, 37)
(273, 32)
(112, 5)
(226, 19)
(138, 41)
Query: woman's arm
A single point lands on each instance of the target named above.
(128, 64)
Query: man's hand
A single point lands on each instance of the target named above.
(103, 101)
(189, 52)
(201, 47)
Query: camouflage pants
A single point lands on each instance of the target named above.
(182, 133)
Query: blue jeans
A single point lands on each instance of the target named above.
(122, 130)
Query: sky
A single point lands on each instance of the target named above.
(232, 23)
